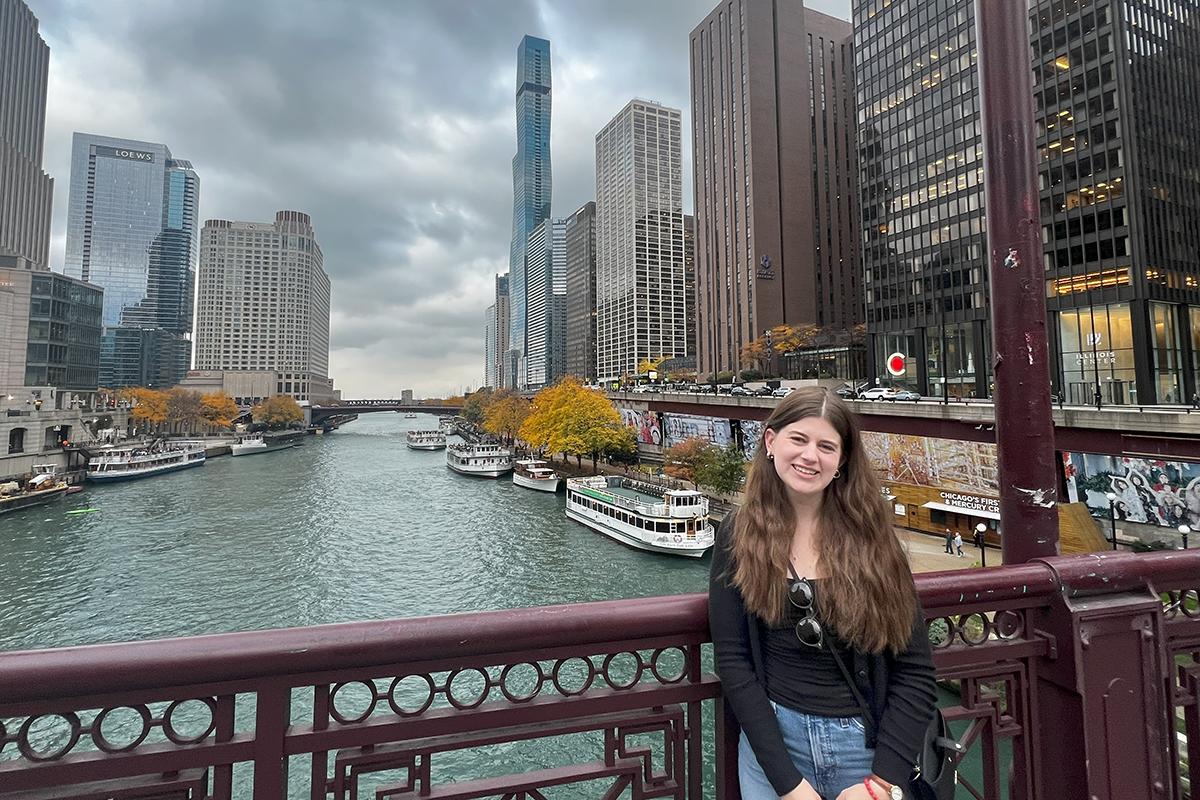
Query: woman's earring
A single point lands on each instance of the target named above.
(837, 473)
(770, 456)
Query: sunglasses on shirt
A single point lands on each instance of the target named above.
(802, 596)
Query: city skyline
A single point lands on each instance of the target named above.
(410, 179)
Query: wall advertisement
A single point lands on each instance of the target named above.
(1149, 491)
(681, 427)
(644, 423)
(946, 463)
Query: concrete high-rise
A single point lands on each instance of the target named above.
(546, 303)
(532, 188)
(641, 284)
(263, 303)
(496, 336)
(26, 192)
(131, 229)
(581, 293)
(773, 124)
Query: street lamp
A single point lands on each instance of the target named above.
(1184, 530)
(979, 529)
(1112, 516)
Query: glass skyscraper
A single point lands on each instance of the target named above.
(531, 187)
(131, 228)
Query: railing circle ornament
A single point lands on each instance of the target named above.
(346, 719)
(483, 690)
(537, 685)
(557, 676)
(106, 744)
(656, 664)
(1008, 624)
(425, 704)
(606, 670)
(974, 629)
(33, 754)
(172, 732)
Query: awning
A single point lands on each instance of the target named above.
(970, 512)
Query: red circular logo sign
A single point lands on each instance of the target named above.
(895, 364)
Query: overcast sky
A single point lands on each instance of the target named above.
(391, 122)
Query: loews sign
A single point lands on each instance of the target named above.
(128, 155)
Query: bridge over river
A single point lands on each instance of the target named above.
(347, 410)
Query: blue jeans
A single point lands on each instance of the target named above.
(830, 752)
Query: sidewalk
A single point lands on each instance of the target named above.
(927, 553)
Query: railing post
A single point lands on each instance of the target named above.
(726, 740)
(272, 717)
(1103, 681)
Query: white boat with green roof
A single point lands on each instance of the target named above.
(641, 515)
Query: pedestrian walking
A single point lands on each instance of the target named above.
(949, 542)
(958, 543)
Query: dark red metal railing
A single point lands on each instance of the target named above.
(1071, 673)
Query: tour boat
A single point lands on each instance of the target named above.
(253, 443)
(535, 475)
(639, 515)
(42, 488)
(480, 460)
(426, 440)
(447, 426)
(128, 463)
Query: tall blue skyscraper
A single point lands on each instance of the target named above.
(531, 188)
(131, 228)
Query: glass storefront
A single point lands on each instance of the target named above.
(1194, 318)
(1167, 364)
(1097, 351)
(904, 342)
(959, 360)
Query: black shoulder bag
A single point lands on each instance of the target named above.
(934, 776)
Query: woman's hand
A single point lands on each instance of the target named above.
(804, 791)
(859, 792)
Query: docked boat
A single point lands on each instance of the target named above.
(129, 463)
(533, 474)
(480, 460)
(639, 515)
(41, 488)
(426, 440)
(253, 443)
(447, 426)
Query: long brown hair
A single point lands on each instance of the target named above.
(867, 594)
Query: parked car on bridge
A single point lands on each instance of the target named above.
(783, 391)
(740, 391)
(907, 394)
(878, 393)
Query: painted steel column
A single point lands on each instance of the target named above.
(1024, 421)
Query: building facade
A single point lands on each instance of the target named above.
(131, 228)
(263, 303)
(496, 336)
(546, 303)
(773, 123)
(26, 192)
(580, 336)
(1115, 116)
(641, 287)
(532, 188)
(923, 209)
(51, 331)
(1117, 110)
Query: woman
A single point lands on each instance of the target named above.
(809, 570)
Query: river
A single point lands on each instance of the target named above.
(349, 526)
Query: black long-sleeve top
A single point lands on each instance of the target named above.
(899, 688)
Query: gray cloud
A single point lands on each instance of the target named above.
(389, 121)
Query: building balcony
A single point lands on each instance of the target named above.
(1066, 677)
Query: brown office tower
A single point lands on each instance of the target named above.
(775, 176)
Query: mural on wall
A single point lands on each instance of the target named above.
(923, 461)
(1150, 491)
(644, 423)
(751, 436)
(681, 427)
